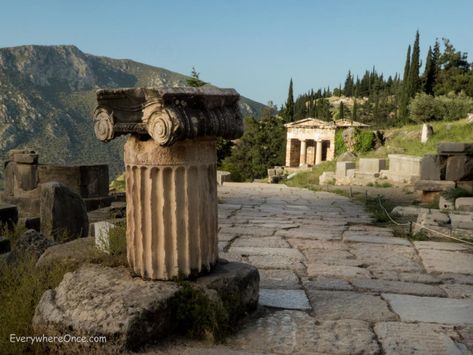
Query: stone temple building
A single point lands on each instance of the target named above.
(311, 141)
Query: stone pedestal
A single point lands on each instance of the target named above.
(171, 207)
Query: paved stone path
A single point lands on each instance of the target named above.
(334, 284)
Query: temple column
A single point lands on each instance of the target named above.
(318, 152)
(303, 154)
(288, 152)
(170, 170)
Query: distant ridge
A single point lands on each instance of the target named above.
(47, 95)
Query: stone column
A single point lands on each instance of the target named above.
(172, 207)
(288, 152)
(302, 158)
(170, 162)
(318, 153)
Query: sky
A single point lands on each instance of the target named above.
(254, 46)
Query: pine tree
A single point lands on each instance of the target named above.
(289, 111)
(194, 79)
(341, 113)
(348, 88)
(429, 73)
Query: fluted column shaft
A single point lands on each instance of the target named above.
(303, 153)
(171, 207)
(318, 153)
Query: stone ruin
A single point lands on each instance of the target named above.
(171, 222)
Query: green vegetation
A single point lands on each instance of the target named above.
(363, 141)
(310, 179)
(457, 192)
(425, 108)
(340, 146)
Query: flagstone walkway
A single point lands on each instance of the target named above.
(331, 283)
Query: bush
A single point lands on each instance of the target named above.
(363, 141)
(425, 108)
(340, 146)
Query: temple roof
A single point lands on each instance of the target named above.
(316, 123)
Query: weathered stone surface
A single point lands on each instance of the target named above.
(171, 222)
(446, 261)
(261, 242)
(403, 168)
(295, 332)
(274, 262)
(330, 257)
(445, 204)
(403, 338)
(342, 167)
(441, 246)
(303, 244)
(432, 185)
(323, 233)
(464, 204)
(371, 165)
(458, 290)
(462, 221)
(289, 253)
(278, 279)
(358, 237)
(466, 333)
(326, 283)
(223, 176)
(320, 269)
(427, 132)
(327, 178)
(30, 244)
(431, 309)
(101, 234)
(455, 148)
(285, 299)
(63, 213)
(432, 167)
(459, 167)
(164, 113)
(77, 251)
(336, 305)
(408, 288)
(130, 312)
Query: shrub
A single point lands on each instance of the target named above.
(340, 146)
(454, 193)
(424, 108)
(363, 141)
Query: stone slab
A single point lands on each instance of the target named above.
(408, 288)
(260, 242)
(295, 332)
(371, 165)
(342, 271)
(447, 261)
(458, 290)
(284, 299)
(278, 279)
(331, 257)
(336, 305)
(326, 283)
(462, 221)
(464, 204)
(303, 244)
(433, 185)
(459, 167)
(403, 338)
(129, 311)
(356, 237)
(455, 148)
(289, 253)
(442, 246)
(75, 252)
(431, 309)
(8, 215)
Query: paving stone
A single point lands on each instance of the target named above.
(442, 246)
(272, 262)
(326, 283)
(281, 279)
(458, 290)
(285, 299)
(418, 277)
(330, 257)
(289, 253)
(429, 339)
(261, 242)
(449, 277)
(387, 257)
(446, 261)
(431, 309)
(335, 305)
(320, 269)
(466, 336)
(248, 230)
(408, 288)
(224, 237)
(295, 332)
(369, 238)
(312, 233)
(303, 244)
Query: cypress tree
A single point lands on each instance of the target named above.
(429, 73)
(414, 82)
(404, 100)
(341, 114)
(289, 111)
(355, 111)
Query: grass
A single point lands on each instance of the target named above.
(310, 179)
(406, 140)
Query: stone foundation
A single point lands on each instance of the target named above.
(130, 312)
(171, 207)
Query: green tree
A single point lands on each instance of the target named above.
(404, 100)
(341, 114)
(289, 108)
(194, 79)
(413, 78)
(429, 73)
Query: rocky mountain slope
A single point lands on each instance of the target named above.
(47, 96)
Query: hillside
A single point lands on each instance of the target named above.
(47, 96)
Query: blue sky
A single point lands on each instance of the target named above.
(254, 46)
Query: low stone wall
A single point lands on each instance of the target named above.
(403, 168)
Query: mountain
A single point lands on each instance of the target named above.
(47, 96)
